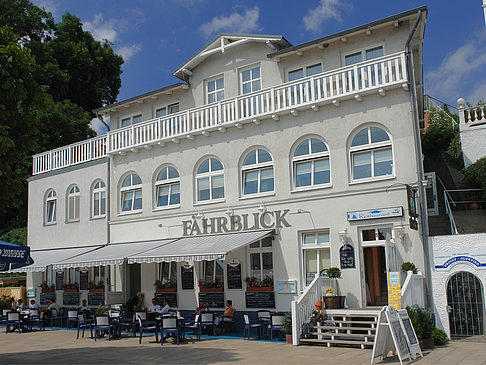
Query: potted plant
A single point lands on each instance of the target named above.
(71, 288)
(211, 286)
(96, 287)
(331, 298)
(46, 288)
(423, 323)
(254, 285)
(165, 287)
(409, 266)
(288, 327)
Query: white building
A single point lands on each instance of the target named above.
(268, 160)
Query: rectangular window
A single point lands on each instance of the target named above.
(365, 54)
(213, 271)
(73, 208)
(376, 234)
(309, 71)
(168, 194)
(261, 259)
(203, 189)
(115, 282)
(125, 122)
(168, 272)
(217, 186)
(361, 165)
(215, 90)
(316, 254)
(131, 200)
(383, 162)
(99, 274)
(250, 80)
(51, 211)
(160, 112)
(296, 74)
(187, 276)
(99, 203)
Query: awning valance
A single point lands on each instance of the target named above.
(44, 258)
(198, 248)
(112, 254)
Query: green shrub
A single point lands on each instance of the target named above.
(441, 132)
(417, 325)
(475, 175)
(439, 336)
(288, 323)
(422, 321)
(334, 272)
(6, 302)
(409, 266)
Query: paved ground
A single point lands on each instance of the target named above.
(61, 346)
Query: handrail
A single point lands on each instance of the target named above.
(302, 307)
(448, 209)
(412, 291)
(327, 86)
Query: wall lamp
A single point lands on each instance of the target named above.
(343, 235)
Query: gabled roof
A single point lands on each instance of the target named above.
(223, 42)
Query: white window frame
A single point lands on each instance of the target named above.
(130, 118)
(257, 167)
(130, 189)
(363, 53)
(73, 198)
(172, 265)
(203, 270)
(376, 242)
(209, 175)
(304, 69)
(312, 247)
(313, 158)
(370, 147)
(169, 182)
(260, 250)
(51, 198)
(168, 110)
(251, 79)
(99, 190)
(216, 91)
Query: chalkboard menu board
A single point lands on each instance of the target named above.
(260, 299)
(96, 298)
(187, 278)
(46, 297)
(70, 298)
(59, 280)
(170, 297)
(212, 299)
(233, 276)
(83, 280)
(346, 257)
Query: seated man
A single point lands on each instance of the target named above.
(228, 313)
(202, 308)
(18, 305)
(166, 308)
(33, 304)
(154, 308)
(85, 308)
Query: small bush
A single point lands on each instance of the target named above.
(334, 272)
(475, 175)
(439, 336)
(288, 323)
(422, 321)
(6, 302)
(409, 266)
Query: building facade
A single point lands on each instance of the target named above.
(267, 161)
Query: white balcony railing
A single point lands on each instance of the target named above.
(473, 115)
(328, 86)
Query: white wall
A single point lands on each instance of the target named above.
(473, 142)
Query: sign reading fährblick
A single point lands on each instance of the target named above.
(236, 223)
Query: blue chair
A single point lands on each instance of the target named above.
(264, 318)
(103, 325)
(276, 324)
(83, 324)
(168, 325)
(206, 321)
(249, 325)
(3, 317)
(194, 327)
(227, 322)
(147, 326)
(57, 317)
(13, 322)
(72, 318)
(36, 318)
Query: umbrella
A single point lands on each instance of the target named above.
(14, 256)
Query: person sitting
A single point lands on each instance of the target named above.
(50, 307)
(19, 305)
(166, 308)
(154, 308)
(33, 304)
(202, 308)
(227, 315)
(85, 308)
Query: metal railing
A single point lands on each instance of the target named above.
(447, 205)
(343, 82)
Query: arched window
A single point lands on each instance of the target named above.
(131, 193)
(371, 154)
(167, 187)
(257, 172)
(210, 180)
(50, 204)
(73, 199)
(310, 163)
(99, 199)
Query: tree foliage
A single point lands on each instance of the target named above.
(475, 175)
(16, 235)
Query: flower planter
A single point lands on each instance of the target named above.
(48, 290)
(99, 290)
(288, 338)
(168, 290)
(429, 343)
(71, 290)
(211, 290)
(259, 288)
(333, 302)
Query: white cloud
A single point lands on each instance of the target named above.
(326, 10)
(233, 23)
(99, 127)
(48, 5)
(460, 72)
(101, 29)
(129, 50)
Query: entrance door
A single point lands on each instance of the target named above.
(134, 280)
(431, 194)
(465, 305)
(375, 275)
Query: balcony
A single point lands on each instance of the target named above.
(328, 87)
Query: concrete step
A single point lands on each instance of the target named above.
(347, 328)
(347, 343)
(340, 334)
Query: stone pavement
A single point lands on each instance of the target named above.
(61, 346)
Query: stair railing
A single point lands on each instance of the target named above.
(413, 290)
(302, 307)
(447, 202)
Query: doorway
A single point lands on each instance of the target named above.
(375, 276)
(465, 305)
(134, 280)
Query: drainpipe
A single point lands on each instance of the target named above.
(100, 118)
(420, 171)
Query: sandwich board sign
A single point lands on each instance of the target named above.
(390, 336)
(410, 335)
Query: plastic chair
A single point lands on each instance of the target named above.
(276, 324)
(13, 320)
(207, 321)
(102, 324)
(36, 317)
(72, 317)
(194, 327)
(57, 317)
(146, 326)
(228, 322)
(264, 318)
(249, 325)
(84, 323)
(169, 326)
(3, 317)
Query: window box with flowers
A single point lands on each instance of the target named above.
(211, 286)
(71, 288)
(46, 288)
(96, 287)
(165, 287)
(255, 285)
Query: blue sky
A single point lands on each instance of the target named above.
(157, 36)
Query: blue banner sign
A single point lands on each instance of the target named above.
(375, 213)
